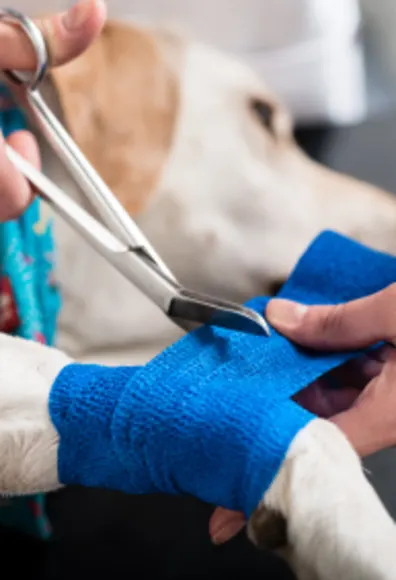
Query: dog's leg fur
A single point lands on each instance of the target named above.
(336, 526)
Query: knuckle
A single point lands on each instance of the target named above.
(327, 321)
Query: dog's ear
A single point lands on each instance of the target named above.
(120, 101)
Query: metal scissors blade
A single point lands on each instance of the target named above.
(127, 249)
(177, 302)
(25, 90)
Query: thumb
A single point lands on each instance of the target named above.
(67, 35)
(356, 324)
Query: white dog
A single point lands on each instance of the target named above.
(202, 155)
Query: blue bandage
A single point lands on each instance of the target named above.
(212, 415)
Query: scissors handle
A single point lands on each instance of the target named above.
(33, 33)
(25, 89)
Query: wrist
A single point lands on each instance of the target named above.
(365, 436)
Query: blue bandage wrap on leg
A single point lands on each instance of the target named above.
(212, 415)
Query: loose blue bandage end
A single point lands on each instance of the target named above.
(212, 415)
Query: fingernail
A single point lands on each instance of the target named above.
(285, 313)
(76, 17)
(226, 532)
(224, 525)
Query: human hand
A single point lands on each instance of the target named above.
(99, 427)
(370, 421)
(67, 35)
(322, 399)
(364, 408)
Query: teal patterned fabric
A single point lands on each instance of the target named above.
(30, 303)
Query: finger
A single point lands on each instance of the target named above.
(363, 440)
(324, 401)
(359, 371)
(382, 354)
(67, 35)
(362, 370)
(225, 524)
(371, 367)
(369, 424)
(25, 143)
(355, 324)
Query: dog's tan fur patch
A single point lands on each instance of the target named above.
(120, 102)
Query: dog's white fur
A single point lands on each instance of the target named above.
(29, 441)
(336, 525)
(234, 206)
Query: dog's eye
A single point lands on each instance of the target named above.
(264, 111)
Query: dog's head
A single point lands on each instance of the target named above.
(203, 156)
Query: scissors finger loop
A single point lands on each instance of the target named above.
(34, 34)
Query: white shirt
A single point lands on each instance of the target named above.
(306, 50)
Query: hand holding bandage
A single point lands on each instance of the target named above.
(370, 422)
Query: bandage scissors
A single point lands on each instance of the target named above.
(127, 249)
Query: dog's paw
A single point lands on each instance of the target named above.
(329, 522)
(28, 440)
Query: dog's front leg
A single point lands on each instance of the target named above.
(335, 525)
